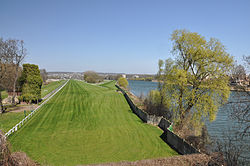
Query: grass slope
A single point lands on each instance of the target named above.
(4, 94)
(110, 85)
(8, 120)
(46, 89)
(86, 124)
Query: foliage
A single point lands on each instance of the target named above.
(195, 84)
(4, 94)
(90, 121)
(154, 106)
(30, 83)
(92, 77)
(123, 82)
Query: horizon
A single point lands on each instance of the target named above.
(119, 36)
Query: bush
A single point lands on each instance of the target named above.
(123, 82)
(30, 83)
(92, 77)
(154, 105)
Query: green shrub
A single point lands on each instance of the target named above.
(123, 82)
(30, 83)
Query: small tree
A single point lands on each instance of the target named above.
(30, 83)
(123, 82)
(196, 83)
(92, 77)
(44, 75)
(154, 106)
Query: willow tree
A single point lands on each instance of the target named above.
(195, 84)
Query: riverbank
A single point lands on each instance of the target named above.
(240, 88)
(232, 88)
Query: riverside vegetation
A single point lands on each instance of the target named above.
(85, 124)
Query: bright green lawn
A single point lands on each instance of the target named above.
(109, 85)
(85, 124)
(9, 120)
(46, 89)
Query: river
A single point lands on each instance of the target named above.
(221, 126)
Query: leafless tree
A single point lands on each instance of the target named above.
(239, 72)
(17, 54)
(235, 143)
(12, 54)
(44, 74)
(241, 105)
(4, 64)
(234, 149)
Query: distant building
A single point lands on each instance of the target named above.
(135, 76)
(124, 75)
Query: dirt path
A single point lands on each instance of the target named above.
(182, 160)
(22, 108)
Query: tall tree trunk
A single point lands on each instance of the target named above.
(14, 85)
(1, 103)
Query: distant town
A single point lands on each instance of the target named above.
(239, 80)
(106, 76)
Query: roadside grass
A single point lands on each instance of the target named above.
(8, 120)
(85, 124)
(46, 89)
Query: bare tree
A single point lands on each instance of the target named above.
(241, 105)
(44, 74)
(235, 144)
(12, 54)
(239, 72)
(233, 148)
(4, 61)
(17, 54)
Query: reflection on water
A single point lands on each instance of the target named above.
(139, 88)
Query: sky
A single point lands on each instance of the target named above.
(119, 36)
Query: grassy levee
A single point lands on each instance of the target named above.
(46, 89)
(85, 124)
(110, 85)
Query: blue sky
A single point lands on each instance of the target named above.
(128, 36)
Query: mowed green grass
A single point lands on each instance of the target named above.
(46, 89)
(10, 119)
(85, 124)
